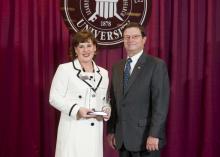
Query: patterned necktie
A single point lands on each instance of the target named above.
(127, 72)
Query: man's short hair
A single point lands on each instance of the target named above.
(135, 25)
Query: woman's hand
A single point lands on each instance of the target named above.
(107, 110)
(83, 113)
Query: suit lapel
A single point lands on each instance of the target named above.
(136, 71)
(80, 74)
(98, 76)
(120, 77)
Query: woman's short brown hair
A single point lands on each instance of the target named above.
(82, 37)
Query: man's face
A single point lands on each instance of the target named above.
(133, 41)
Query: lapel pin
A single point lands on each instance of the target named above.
(139, 67)
(83, 77)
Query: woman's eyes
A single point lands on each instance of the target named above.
(85, 46)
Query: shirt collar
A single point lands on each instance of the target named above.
(136, 57)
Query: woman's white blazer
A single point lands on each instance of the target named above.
(71, 89)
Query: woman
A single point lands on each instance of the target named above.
(78, 89)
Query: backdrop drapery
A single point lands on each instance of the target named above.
(34, 40)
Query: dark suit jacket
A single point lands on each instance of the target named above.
(139, 111)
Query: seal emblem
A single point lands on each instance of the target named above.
(106, 19)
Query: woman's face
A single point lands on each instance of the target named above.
(85, 51)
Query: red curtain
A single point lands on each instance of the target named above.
(34, 40)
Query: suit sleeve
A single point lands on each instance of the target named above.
(58, 91)
(160, 99)
(112, 121)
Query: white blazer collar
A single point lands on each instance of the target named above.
(80, 74)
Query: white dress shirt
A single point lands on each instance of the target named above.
(134, 60)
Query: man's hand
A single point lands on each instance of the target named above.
(152, 143)
(111, 140)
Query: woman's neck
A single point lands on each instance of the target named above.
(87, 67)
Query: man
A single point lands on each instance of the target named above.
(139, 99)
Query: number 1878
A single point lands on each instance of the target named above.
(106, 23)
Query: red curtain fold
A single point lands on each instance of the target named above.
(34, 41)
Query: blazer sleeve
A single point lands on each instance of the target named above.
(106, 78)
(58, 91)
(160, 92)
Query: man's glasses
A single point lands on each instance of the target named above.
(128, 37)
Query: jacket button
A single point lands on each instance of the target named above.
(80, 96)
(92, 124)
